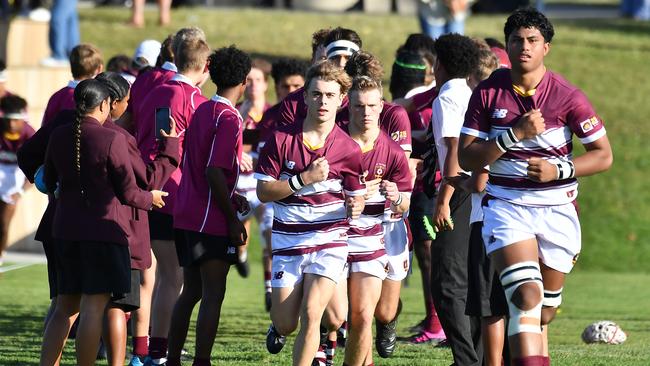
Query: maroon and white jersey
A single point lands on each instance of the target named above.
(314, 217)
(61, 100)
(268, 125)
(183, 98)
(386, 161)
(495, 106)
(214, 139)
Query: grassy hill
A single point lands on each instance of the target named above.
(608, 59)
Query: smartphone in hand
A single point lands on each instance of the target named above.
(162, 121)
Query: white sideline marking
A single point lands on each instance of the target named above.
(6, 269)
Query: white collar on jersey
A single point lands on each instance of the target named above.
(169, 66)
(73, 83)
(183, 79)
(219, 99)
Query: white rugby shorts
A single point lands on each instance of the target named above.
(377, 267)
(556, 229)
(397, 249)
(288, 270)
(12, 180)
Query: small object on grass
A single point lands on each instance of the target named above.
(604, 331)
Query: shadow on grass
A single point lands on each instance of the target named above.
(21, 332)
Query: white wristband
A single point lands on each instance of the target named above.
(565, 170)
(295, 183)
(506, 140)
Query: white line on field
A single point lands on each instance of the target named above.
(6, 269)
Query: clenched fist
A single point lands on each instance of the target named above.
(317, 171)
(530, 124)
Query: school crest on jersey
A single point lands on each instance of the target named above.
(589, 124)
(380, 170)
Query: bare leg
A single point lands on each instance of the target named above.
(91, 316)
(386, 310)
(493, 334)
(58, 327)
(169, 279)
(114, 334)
(7, 212)
(180, 322)
(553, 282)
(364, 295)
(286, 308)
(137, 13)
(141, 317)
(213, 276)
(317, 292)
(165, 12)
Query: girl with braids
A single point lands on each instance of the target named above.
(147, 176)
(88, 169)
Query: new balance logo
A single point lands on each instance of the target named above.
(231, 250)
(278, 275)
(290, 164)
(499, 113)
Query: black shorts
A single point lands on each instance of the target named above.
(193, 248)
(131, 300)
(485, 296)
(421, 205)
(92, 268)
(161, 226)
(50, 256)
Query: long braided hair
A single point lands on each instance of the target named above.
(88, 95)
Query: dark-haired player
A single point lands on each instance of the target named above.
(85, 62)
(311, 170)
(15, 131)
(207, 206)
(457, 59)
(182, 95)
(339, 44)
(288, 76)
(409, 74)
(521, 122)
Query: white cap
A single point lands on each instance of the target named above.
(149, 50)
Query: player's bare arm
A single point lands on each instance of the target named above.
(475, 153)
(268, 191)
(217, 181)
(442, 212)
(399, 202)
(596, 159)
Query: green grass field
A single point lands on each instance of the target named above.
(588, 297)
(607, 59)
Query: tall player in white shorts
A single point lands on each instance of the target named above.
(312, 172)
(521, 122)
(388, 181)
